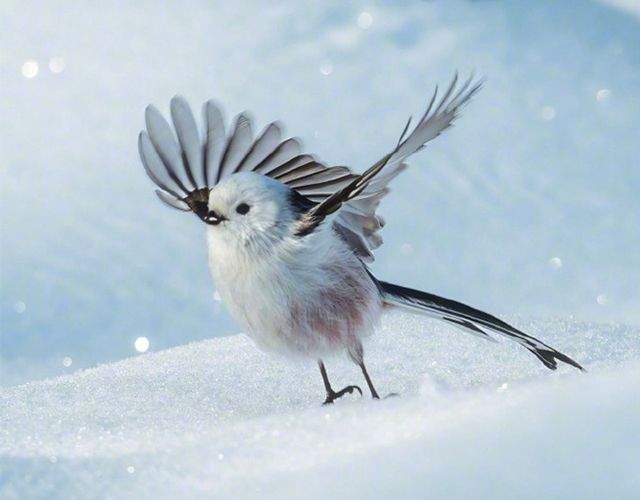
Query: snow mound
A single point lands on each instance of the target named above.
(219, 418)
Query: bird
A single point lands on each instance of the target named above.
(290, 238)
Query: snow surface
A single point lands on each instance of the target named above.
(218, 418)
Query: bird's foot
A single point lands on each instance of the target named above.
(390, 395)
(332, 395)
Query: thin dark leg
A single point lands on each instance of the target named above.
(325, 378)
(374, 393)
(331, 394)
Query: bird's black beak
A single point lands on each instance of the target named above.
(197, 201)
(213, 218)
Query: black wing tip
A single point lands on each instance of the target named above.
(548, 357)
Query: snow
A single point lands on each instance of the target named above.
(218, 418)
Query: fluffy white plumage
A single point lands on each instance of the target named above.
(305, 296)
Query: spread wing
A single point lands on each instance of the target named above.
(357, 201)
(185, 165)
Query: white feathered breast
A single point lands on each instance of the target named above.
(308, 297)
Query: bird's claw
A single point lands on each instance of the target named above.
(332, 396)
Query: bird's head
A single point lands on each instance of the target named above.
(247, 208)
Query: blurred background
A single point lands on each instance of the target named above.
(528, 207)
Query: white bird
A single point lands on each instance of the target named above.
(289, 238)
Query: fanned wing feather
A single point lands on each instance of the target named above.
(172, 202)
(286, 167)
(435, 121)
(166, 147)
(324, 177)
(261, 148)
(155, 168)
(214, 142)
(309, 168)
(375, 179)
(187, 132)
(237, 147)
(185, 170)
(285, 152)
(365, 206)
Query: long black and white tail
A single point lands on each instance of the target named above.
(470, 319)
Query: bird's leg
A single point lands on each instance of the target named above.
(374, 393)
(356, 352)
(331, 394)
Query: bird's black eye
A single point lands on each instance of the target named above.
(243, 208)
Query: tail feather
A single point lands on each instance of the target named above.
(470, 319)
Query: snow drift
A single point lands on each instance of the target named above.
(219, 418)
